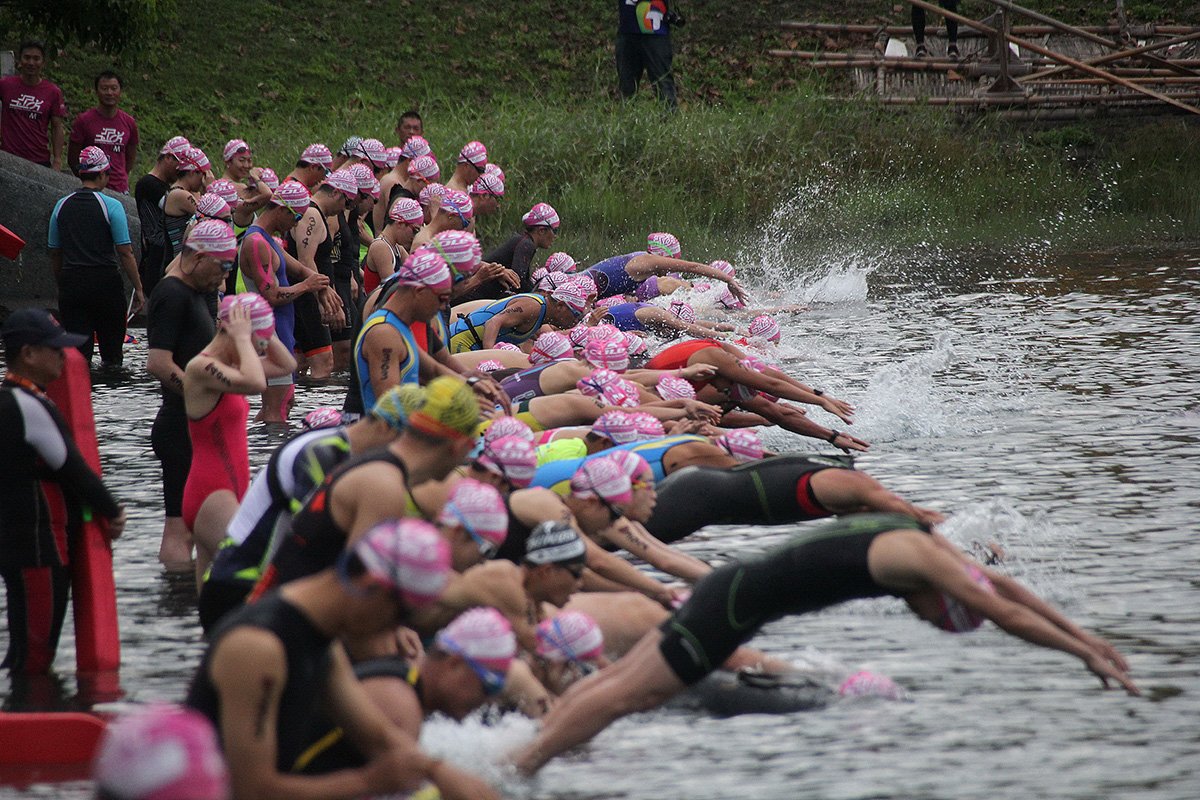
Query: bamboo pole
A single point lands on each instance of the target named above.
(1035, 48)
(1171, 79)
(1098, 98)
(1126, 54)
(1137, 31)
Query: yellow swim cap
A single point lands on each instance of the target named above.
(398, 403)
(450, 409)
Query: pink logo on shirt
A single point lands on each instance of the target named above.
(27, 103)
(111, 136)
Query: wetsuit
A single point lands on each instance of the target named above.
(328, 749)
(516, 254)
(610, 275)
(623, 316)
(148, 193)
(814, 570)
(430, 336)
(771, 491)
(676, 357)
(265, 517)
(345, 253)
(309, 657)
(316, 540)
(285, 315)
(556, 475)
(466, 334)
(312, 335)
(220, 455)
(513, 548)
(41, 473)
(526, 384)
(409, 370)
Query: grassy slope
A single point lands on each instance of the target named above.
(535, 81)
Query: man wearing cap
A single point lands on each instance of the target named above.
(148, 193)
(267, 269)
(541, 228)
(396, 184)
(471, 162)
(273, 664)
(108, 127)
(454, 213)
(39, 450)
(314, 164)
(253, 194)
(89, 235)
(31, 106)
(515, 319)
(347, 153)
(485, 195)
(178, 326)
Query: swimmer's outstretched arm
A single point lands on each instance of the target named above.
(633, 538)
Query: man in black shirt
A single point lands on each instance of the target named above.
(541, 228)
(38, 448)
(179, 325)
(148, 193)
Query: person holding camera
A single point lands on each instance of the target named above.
(644, 45)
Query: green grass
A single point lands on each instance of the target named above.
(536, 82)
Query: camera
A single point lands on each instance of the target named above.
(675, 19)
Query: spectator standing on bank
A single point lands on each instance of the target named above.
(31, 106)
(644, 45)
(409, 125)
(108, 127)
(88, 234)
(918, 26)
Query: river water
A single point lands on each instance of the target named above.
(1048, 403)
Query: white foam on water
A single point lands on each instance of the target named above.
(479, 748)
(904, 400)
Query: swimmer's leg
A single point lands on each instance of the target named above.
(212, 520)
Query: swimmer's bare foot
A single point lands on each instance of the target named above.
(175, 550)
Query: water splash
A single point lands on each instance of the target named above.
(903, 400)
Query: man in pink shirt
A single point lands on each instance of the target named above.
(30, 106)
(108, 127)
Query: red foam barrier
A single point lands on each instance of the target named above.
(10, 244)
(49, 738)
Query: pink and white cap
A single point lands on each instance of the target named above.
(958, 618)
(212, 206)
(636, 467)
(683, 310)
(424, 168)
(415, 147)
(344, 181)
(409, 556)
(494, 169)
(161, 752)
(424, 267)
(292, 195)
(587, 283)
(224, 188)
(507, 426)
(475, 154)
(488, 186)
(723, 266)
(727, 299)
(616, 426)
(572, 293)
(609, 302)
(569, 637)
(489, 366)
(458, 203)
(602, 477)
(560, 262)
(374, 151)
(579, 335)
(213, 237)
(634, 344)
(550, 346)
(192, 159)
(605, 332)
(479, 508)
(431, 194)
(510, 457)
(269, 177)
(233, 147)
(483, 635)
(323, 417)
(865, 683)
(92, 160)
(408, 211)
(648, 426)
(609, 388)
(764, 326)
(663, 244)
(549, 281)
(541, 215)
(392, 156)
(607, 353)
(670, 387)
(175, 146)
(512, 348)
(741, 443)
(262, 318)
(317, 154)
(364, 177)
(459, 248)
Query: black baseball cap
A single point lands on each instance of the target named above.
(36, 326)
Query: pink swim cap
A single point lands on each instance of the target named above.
(586, 283)
(605, 332)
(415, 147)
(292, 195)
(458, 203)
(663, 244)
(344, 181)
(507, 426)
(609, 302)
(484, 636)
(560, 262)
(324, 417)
(648, 426)
(393, 155)
(569, 637)
(459, 248)
(764, 326)
(225, 189)
(741, 443)
(211, 206)
(574, 295)
(682, 310)
(161, 752)
(512, 348)
(550, 346)
(317, 154)
(723, 266)
(213, 237)
(635, 344)
(175, 146)
(475, 154)
(489, 366)
(431, 195)
(488, 185)
(510, 457)
(727, 299)
(363, 176)
(549, 281)
(647, 289)
(869, 684)
(191, 160)
(233, 147)
(607, 353)
(409, 556)
(269, 177)
(671, 388)
(602, 477)
(616, 426)
(636, 467)
(579, 335)
(374, 151)
(479, 509)
(541, 215)
(262, 318)
(956, 617)
(609, 388)
(424, 267)
(494, 169)
(425, 168)
(408, 211)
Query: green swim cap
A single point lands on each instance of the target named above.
(397, 404)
